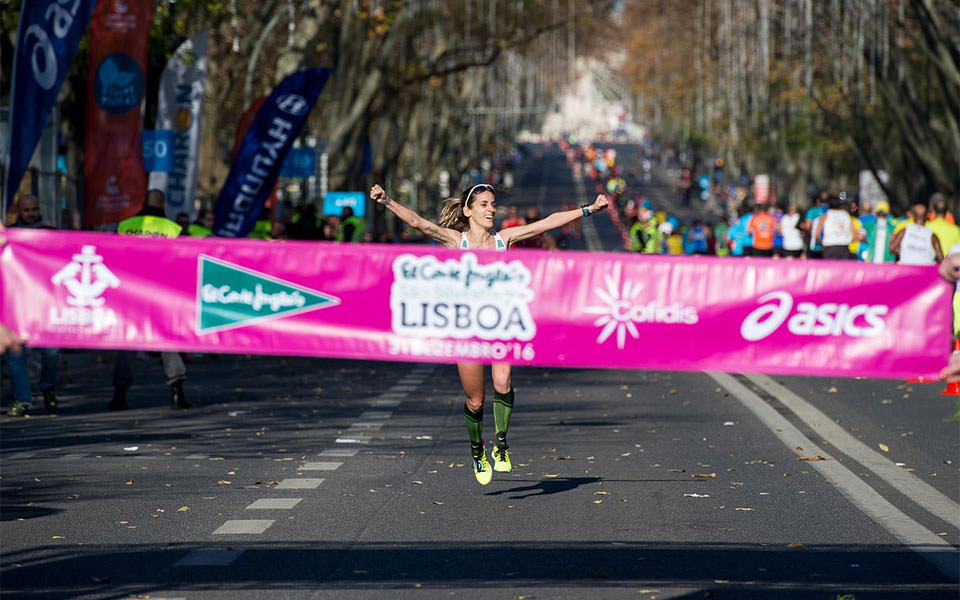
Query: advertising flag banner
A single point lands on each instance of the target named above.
(47, 39)
(421, 303)
(258, 161)
(115, 180)
(180, 109)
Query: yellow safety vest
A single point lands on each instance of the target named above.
(149, 225)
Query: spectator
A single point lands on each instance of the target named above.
(810, 222)
(877, 235)
(644, 234)
(947, 233)
(695, 240)
(203, 226)
(149, 222)
(542, 241)
(305, 224)
(789, 229)
(183, 220)
(351, 228)
(916, 244)
(29, 217)
(513, 218)
(834, 230)
(762, 226)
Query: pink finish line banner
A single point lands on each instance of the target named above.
(430, 304)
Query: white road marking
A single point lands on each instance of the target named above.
(361, 427)
(244, 526)
(21, 455)
(586, 225)
(915, 536)
(376, 414)
(197, 456)
(303, 483)
(345, 452)
(353, 440)
(321, 466)
(75, 456)
(403, 388)
(386, 403)
(208, 557)
(905, 482)
(274, 504)
(414, 381)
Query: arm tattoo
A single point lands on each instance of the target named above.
(433, 229)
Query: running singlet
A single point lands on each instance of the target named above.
(496, 236)
(763, 227)
(792, 239)
(916, 247)
(837, 227)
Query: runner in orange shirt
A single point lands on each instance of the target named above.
(763, 227)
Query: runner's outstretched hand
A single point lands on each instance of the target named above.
(377, 194)
(600, 203)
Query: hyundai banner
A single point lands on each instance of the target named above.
(428, 304)
(258, 161)
(47, 38)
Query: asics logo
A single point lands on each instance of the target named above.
(858, 320)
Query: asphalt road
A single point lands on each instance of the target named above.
(311, 478)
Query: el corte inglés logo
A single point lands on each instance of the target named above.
(230, 296)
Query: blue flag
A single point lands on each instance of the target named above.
(47, 39)
(264, 147)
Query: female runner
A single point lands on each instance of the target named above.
(467, 222)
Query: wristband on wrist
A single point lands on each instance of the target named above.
(387, 201)
(586, 210)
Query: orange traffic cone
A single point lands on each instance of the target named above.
(953, 389)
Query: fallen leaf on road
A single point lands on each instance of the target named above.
(601, 493)
(598, 501)
(130, 482)
(818, 457)
(183, 509)
(437, 502)
(551, 475)
(832, 390)
(884, 447)
(58, 537)
(224, 482)
(744, 508)
(795, 545)
(703, 475)
(415, 482)
(696, 495)
(674, 392)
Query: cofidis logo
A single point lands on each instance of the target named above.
(857, 320)
(461, 298)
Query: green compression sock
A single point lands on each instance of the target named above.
(502, 407)
(474, 421)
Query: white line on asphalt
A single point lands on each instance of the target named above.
(402, 388)
(321, 466)
(394, 395)
(905, 482)
(345, 452)
(197, 456)
(244, 526)
(410, 381)
(76, 456)
(364, 426)
(21, 455)
(208, 557)
(376, 414)
(915, 536)
(353, 440)
(274, 504)
(386, 403)
(303, 483)
(587, 226)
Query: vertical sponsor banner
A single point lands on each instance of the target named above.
(260, 156)
(180, 109)
(115, 180)
(422, 303)
(47, 39)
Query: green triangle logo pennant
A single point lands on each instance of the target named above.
(230, 296)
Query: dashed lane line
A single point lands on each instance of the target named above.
(244, 527)
(376, 414)
(905, 482)
(339, 452)
(383, 403)
(320, 466)
(912, 534)
(274, 504)
(304, 483)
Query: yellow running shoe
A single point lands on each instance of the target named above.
(481, 468)
(501, 459)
